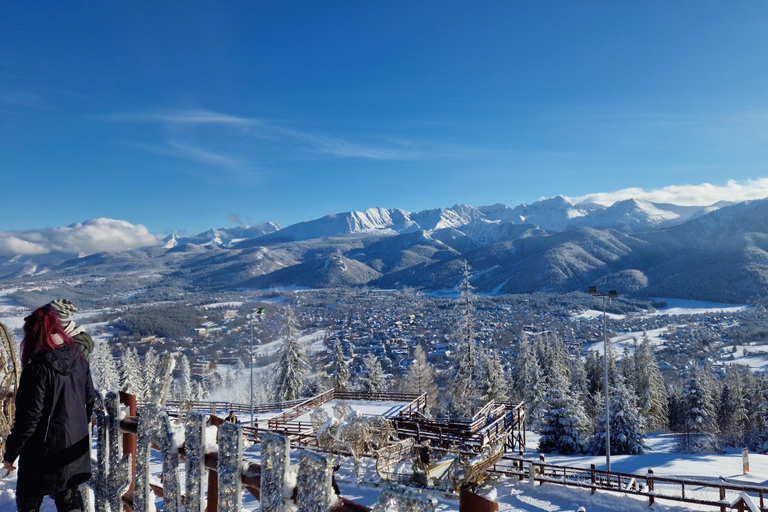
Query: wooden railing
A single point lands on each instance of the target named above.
(716, 493)
(218, 407)
(374, 396)
(418, 404)
(500, 418)
(278, 422)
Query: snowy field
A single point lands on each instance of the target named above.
(695, 307)
(313, 341)
(513, 495)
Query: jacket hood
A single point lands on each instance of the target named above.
(63, 360)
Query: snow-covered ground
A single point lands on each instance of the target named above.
(313, 341)
(516, 496)
(694, 307)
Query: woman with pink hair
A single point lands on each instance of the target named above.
(50, 434)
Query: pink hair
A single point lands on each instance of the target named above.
(39, 330)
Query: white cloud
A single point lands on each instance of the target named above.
(95, 235)
(685, 195)
(212, 123)
(11, 245)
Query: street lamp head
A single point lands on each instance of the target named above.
(592, 290)
(613, 295)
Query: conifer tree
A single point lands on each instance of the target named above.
(104, 369)
(650, 387)
(493, 384)
(463, 385)
(594, 366)
(626, 424)
(518, 370)
(761, 417)
(553, 356)
(421, 378)
(339, 368)
(131, 374)
(533, 391)
(563, 421)
(149, 367)
(183, 387)
(372, 379)
(580, 390)
(697, 412)
(292, 364)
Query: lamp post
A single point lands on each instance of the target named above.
(259, 312)
(610, 295)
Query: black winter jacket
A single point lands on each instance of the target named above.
(51, 428)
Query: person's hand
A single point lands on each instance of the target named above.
(9, 468)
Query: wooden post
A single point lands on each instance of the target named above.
(722, 495)
(213, 491)
(592, 477)
(649, 482)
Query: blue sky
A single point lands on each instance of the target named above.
(183, 116)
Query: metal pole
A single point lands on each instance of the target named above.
(251, 359)
(607, 402)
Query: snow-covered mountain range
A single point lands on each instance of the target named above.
(484, 223)
(636, 247)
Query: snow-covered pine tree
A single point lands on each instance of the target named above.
(183, 386)
(553, 356)
(533, 391)
(103, 369)
(580, 390)
(339, 370)
(292, 364)
(421, 377)
(594, 366)
(372, 379)
(493, 382)
(627, 429)
(131, 374)
(150, 368)
(732, 414)
(520, 362)
(761, 420)
(464, 395)
(698, 415)
(563, 421)
(650, 387)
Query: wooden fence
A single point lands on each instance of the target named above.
(706, 494)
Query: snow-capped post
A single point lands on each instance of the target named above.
(111, 473)
(154, 426)
(194, 449)
(314, 482)
(230, 468)
(275, 456)
(722, 490)
(649, 483)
